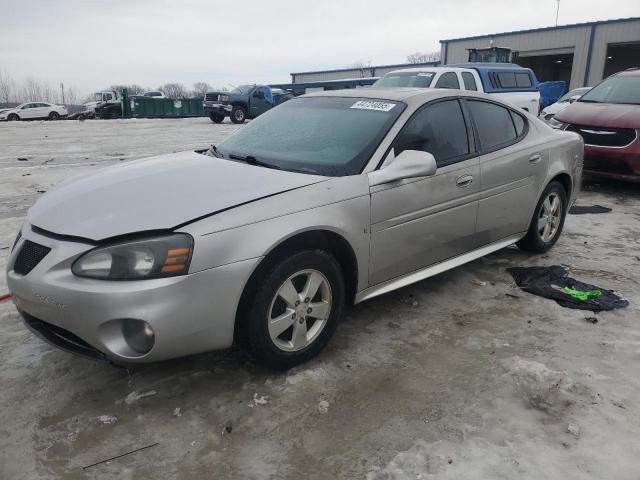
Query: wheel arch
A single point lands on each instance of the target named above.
(319, 238)
(565, 180)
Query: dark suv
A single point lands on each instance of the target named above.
(608, 118)
(245, 101)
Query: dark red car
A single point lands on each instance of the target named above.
(608, 118)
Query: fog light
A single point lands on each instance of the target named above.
(138, 334)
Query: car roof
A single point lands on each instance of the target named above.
(407, 95)
(631, 72)
(428, 69)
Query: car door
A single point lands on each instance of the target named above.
(418, 222)
(29, 111)
(43, 110)
(512, 167)
(258, 104)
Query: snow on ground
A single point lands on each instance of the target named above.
(448, 378)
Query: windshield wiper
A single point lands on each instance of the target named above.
(213, 152)
(589, 101)
(251, 160)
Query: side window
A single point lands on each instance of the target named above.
(507, 79)
(448, 80)
(107, 97)
(469, 81)
(438, 129)
(523, 80)
(494, 124)
(519, 122)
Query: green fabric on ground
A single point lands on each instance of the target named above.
(580, 295)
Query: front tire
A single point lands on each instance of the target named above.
(238, 115)
(13, 117)
(216, 117)
(54, 116)
(295, 309)
(548, 219)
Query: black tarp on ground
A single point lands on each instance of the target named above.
(549, 282)
(582, 209)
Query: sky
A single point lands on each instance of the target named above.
(90, 44)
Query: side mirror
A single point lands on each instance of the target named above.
(259, 94)
(573, 99)
(409, 164)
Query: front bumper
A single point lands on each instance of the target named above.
(616, 163)
(189, 314)
(215, 107)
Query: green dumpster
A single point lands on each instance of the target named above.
(149, 107)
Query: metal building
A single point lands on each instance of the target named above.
(352, 73)
(582, 54)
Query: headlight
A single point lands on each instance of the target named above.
(224, 98)
(156, 257)
(557, 124)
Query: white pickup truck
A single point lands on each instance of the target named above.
(507, 81)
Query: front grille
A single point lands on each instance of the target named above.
(211, 97)
(29, 256)
(604, 136)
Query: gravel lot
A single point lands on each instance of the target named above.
(448, 378)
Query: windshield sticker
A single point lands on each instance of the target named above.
(372, 105)
(423, 74)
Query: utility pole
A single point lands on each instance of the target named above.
(62, 88)
(557, 11)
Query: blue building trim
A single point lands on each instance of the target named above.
(589, 51)
(545, 29)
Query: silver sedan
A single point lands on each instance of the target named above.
(330, 198)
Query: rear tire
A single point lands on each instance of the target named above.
(238, 115)
(13, 117)
(305, 292)
(548, 219)
(216, 117)
(54, 116)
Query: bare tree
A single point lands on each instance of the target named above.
(133, 89)
(7, 88)
(200, 88)
(423, 57)
(173, 90)
(364, 66)
(31, 90)
(71, 96)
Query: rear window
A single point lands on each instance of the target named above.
(406, 79)
(494, 124)
(511, 80)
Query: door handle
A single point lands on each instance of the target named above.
(464, 181)
(535, 158)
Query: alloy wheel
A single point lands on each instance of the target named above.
(550, 217)
(299, 310)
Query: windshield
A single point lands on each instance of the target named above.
(323, 135)
(575, 92)
(615, 90)
(406, 79)
(243, 89)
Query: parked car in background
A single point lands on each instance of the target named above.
(154, 94)
(330, 198)
(563, 102)
(33, 111)
(243, 102)
(608, 119)
(505, 81)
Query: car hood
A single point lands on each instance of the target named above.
(158, 193)
(556, 107)
(601, 115)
